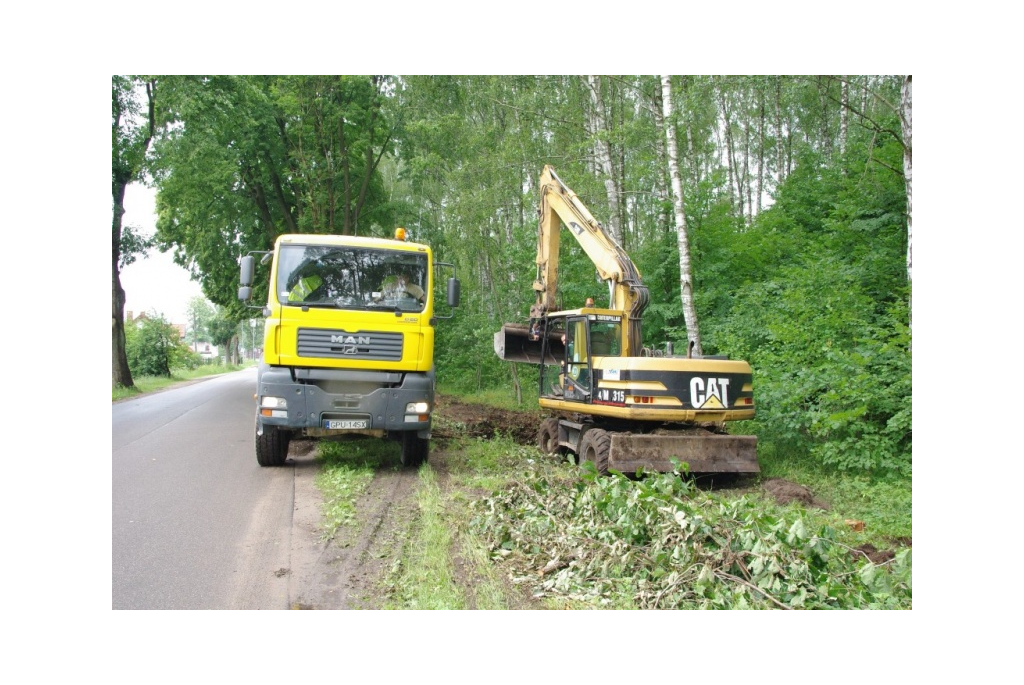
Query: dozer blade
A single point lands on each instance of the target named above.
(513, 343)
(704, 452)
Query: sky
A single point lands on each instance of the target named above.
(154, 283)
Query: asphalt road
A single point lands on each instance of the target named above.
(196, 523)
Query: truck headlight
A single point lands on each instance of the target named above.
(417, 412)
(274, 407)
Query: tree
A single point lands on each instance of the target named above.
(685, 275)
(244, 159)
(131, 132)
(222, 329)
(199, 313)
(153, 346)
(908, 162)
(602, 153)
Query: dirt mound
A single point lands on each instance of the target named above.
(784, 492)
(481, 421)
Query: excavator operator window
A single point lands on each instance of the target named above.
(606, 338)
(577, 366)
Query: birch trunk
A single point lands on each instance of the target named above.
(685, 276)
(735, 187)
(906, 120)
(602, 152)
(844, 115)
(761, 124)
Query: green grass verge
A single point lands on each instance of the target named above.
(144, 384)
(346, 469)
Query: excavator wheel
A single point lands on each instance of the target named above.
(547, 437)
(595, 447)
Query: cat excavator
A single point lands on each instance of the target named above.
(614, 402)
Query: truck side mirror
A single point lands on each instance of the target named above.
(454, 288)
(245, 293)
(248, 269)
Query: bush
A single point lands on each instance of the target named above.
(153, 347)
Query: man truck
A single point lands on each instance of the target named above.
(348, 341)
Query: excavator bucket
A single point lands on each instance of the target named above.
(704, 452)
(516, 343)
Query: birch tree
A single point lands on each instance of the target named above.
(685, 275)
(908, 159)
(602, 152)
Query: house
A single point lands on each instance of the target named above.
(137, 320)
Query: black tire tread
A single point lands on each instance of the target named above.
(596, 446)
(272, 446)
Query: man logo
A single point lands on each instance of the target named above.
(350, 339)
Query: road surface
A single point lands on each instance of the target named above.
(196, 523)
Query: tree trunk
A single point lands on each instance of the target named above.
(735, 187)
(128, 158)
(908, 160)
(762, 123)
(685, 276)
(602, 152)
(844, 116)
(780, 149)
(121, 374)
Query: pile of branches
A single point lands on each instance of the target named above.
(657, 542)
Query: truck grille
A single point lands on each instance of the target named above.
(373, 346)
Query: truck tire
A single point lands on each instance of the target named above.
(414, 450)
(547, 437)
(595, 447)
(272, 446)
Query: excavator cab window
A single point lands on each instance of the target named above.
(577, 359)
(606, 338)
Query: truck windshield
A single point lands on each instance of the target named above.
(352, 278)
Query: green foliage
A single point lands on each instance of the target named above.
(243, 159)
(817, 305)
(153, 347)
(658, 543)
(221, 329)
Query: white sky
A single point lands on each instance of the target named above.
(153, 283)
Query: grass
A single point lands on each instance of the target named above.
(883, 503)
(346, 470)
(144, 384)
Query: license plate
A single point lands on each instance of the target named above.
(346, 424)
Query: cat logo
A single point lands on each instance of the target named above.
(710, 393)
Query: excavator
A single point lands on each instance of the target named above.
(613, 402)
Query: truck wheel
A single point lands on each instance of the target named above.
(547, 437)
(272, 446)
(414, 449)
(595, 446)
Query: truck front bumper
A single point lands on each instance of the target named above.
(336, 401)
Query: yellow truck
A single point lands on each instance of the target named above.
(348, 343)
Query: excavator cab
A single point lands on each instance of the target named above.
(571, 342)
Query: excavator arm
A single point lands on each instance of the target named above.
(560, 205)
